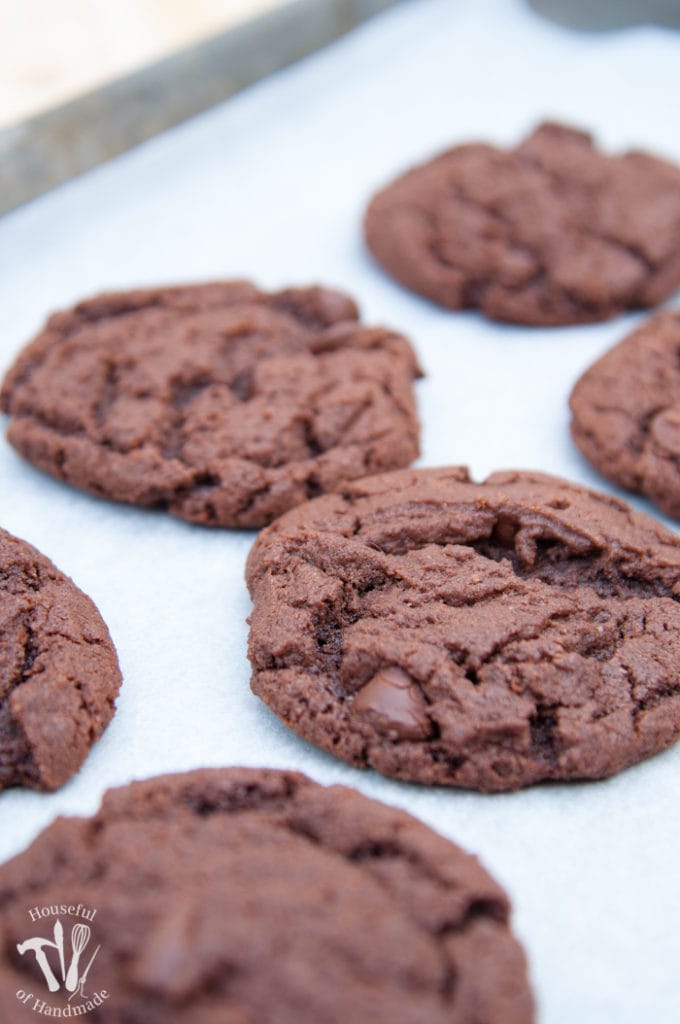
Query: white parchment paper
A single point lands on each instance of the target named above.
(271, 185)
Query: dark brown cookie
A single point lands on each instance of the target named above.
(552, 232)
(59, 673)
(626, 412)
(241, 896)
(481, 635)
(221, 403)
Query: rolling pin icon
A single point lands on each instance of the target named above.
(80, 936)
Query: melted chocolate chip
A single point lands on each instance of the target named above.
(395, 705)
(666, 430)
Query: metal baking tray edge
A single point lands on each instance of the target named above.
(48, 149)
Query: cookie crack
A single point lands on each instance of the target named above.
(564, 185)
(17, 763)
(542, 733)
(373, 852)
(108, 394)
(475, 287)
(31, 648)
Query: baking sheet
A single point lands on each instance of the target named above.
(271, 185)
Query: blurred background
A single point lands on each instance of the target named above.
(54, 50)
(84, 80)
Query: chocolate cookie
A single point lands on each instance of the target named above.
(552, 232)
(245, 896)
(626, 412)
(59, 673)
(221, 403)
(480, 635)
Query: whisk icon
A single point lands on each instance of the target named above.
(80, 936)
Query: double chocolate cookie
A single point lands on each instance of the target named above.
(481, 635)
(59, 673)
(219, 402)
(552, 232)
(238, 896)
(626, 412)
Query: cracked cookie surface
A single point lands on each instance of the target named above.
(551, 232)
(245, 896)
(484, 635)
(626, 412)
(221, 403)
(59, 672)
